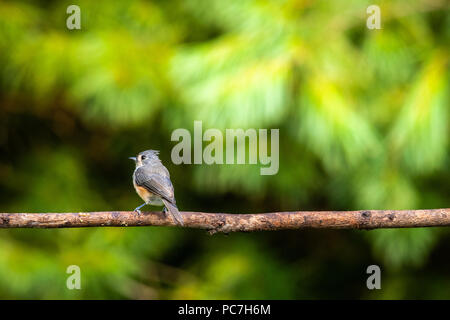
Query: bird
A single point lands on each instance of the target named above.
(151, 180)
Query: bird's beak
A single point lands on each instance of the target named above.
(132, 158)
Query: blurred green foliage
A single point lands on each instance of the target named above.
(363, 118)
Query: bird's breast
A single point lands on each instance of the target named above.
(142, 192)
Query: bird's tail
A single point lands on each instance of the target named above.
(174, 211)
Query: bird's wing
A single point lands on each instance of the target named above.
(155, 183)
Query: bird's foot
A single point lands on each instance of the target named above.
(137, 210)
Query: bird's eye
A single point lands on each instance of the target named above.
(143, 157)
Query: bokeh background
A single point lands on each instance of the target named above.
(363, 118)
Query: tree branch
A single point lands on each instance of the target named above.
(226, 223)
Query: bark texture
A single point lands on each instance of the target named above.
(226, 223)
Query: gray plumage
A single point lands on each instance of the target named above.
(151, 180)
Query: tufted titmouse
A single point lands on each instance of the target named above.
(152, 183)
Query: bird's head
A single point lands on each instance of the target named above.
(145, 157)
